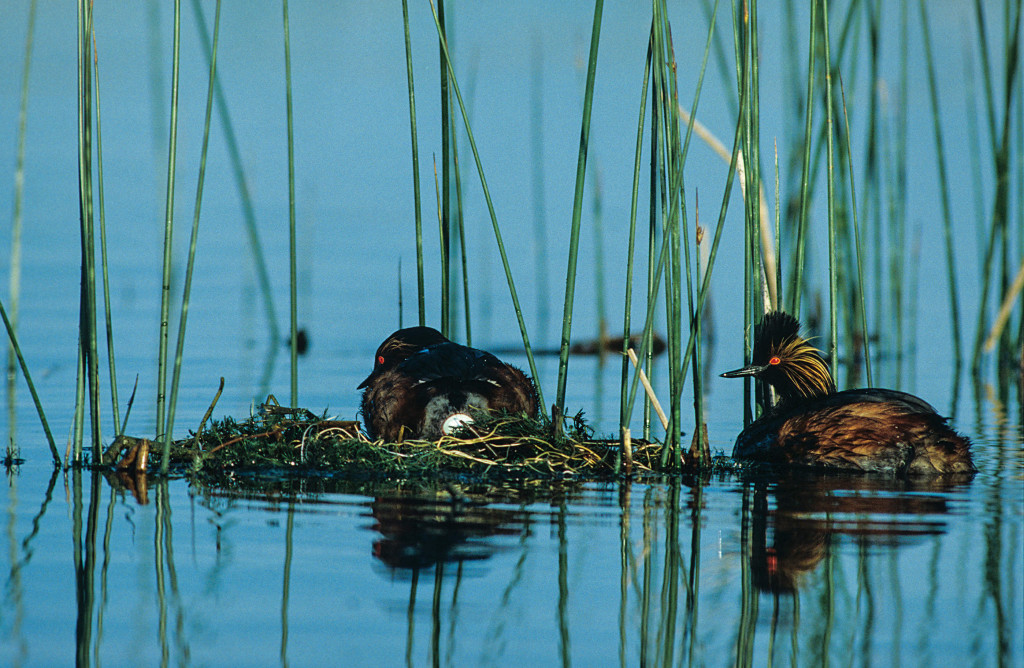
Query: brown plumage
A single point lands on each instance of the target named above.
(423, 385)
(813, 425)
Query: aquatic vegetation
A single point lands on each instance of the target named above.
(496, 446)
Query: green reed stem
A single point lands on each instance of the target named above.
(653, 275)
(490, 209)
(28, 380)
(1001, 202)
(415, 168)
(706, 281)
(754, 283)
(805, 182)
(669, 135)
(190, 265)
(445, 213)
(87, 302)
(897, 200)
(460, 225)
(103, 252)
(16, 220)
(986, 75)
(778, 227)
(832, 260)
(540, 246)
(293, 333)
(947, 216)
(872, 203)
(630, 249)
(78, 423)
(599, 262)
(862, 308)
(165, 289)
(238, 170)
(577, 210)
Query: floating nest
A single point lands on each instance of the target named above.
(282, 440)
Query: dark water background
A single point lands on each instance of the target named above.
(799, 570)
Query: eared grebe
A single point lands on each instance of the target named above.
(867, 429)
(423, 386)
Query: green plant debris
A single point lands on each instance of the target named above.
(279, 440)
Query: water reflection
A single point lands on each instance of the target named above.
(667, 571)
(423, 527)
(797, 519)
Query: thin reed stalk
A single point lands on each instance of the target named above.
(1002, 167)
(754, 278)
(238, 171)
(897, 207)
(293, 296)
(165, 289)
(656, 266)
(87, 301)
(444, 214)
(860, 306)
(599, 262)
(12, 336)
(674, 226)
(190, 264)
(796, 286)
(577, 210)
(630, 252)
(872, 202)
(460, 226)
(490, 208)
(947, 216)
(653, 274)
(415, 169)
(14, 284)
(112, 367)
(74, 447)
(833, 277)
(540, 246)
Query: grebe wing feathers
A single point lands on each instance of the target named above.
(913, 404)
(449, 361)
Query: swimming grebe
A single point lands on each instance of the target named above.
(868, 429)
(423, 385)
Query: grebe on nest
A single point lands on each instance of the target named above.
(423, 385)
(868, 429)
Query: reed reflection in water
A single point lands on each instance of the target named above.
(738, 569)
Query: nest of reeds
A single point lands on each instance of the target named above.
(286, 439)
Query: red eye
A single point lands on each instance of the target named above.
(775, 360)
(380, 359)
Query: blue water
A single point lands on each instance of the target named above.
(718, 571)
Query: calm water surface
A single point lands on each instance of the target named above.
(798, 570)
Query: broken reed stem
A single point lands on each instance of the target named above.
(1005, 309)
(647, 388)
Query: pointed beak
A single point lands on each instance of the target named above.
(373, 374)
(751, 370)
